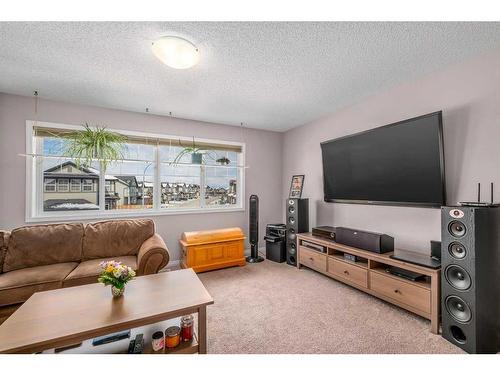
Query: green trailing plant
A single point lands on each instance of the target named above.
(95, 143)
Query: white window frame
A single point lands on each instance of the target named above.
(34, 195)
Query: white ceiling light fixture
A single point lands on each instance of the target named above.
(176, 52)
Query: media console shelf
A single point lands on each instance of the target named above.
(369, 275)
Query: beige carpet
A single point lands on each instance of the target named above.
(275, 308)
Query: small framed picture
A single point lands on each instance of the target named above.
(296, 186)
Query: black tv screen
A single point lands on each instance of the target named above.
(396, 164)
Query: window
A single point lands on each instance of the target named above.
(63, 185)
(75, 185)
(87, 185)
(149, 178)
(50, 184)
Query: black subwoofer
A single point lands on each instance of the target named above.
(297, 221)
(470, 282)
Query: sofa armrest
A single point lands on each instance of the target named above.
(4, 242)
(153, 255)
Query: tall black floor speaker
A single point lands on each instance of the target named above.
(297, 221)
(470, 282)
(254, 230)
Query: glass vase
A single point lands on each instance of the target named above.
(117, 292)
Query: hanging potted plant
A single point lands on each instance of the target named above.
(197, 153)
(95, 143)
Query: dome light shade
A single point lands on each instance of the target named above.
(177, 53)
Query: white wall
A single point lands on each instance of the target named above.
(468, 94)
(263, 156)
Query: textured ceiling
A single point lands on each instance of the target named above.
(267, 75)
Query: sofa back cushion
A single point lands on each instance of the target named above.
(40, 245)
(114, 238)
(4, 240)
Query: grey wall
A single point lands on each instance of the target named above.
(468, 94)
(263, 155)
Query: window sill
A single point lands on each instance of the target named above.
(99, 215)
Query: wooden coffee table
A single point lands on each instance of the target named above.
(69, 316)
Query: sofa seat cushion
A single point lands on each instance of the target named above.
(17, 286)
(40, 245)
(88, 271)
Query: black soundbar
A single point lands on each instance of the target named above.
(371, 241)
(325, 232)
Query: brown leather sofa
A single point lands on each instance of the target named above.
(44, 257)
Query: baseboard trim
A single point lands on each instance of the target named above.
(173, 264)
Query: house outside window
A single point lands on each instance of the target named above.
(147, 179)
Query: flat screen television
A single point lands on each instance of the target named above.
(396, 164)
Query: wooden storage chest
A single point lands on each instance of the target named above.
(213, 249)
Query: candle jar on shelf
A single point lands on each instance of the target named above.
(172, 337)
(187, 327)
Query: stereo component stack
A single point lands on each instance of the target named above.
(297, 221)
(470, 282)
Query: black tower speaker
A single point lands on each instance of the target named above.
(297, 221)
(254, 230)
(470, 277)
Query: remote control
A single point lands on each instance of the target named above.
(111, 338)
(131, 346)
(139, 344)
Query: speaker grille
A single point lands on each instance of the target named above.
(458, 277)
(458, 309)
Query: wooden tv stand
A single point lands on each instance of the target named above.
(369, 275)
